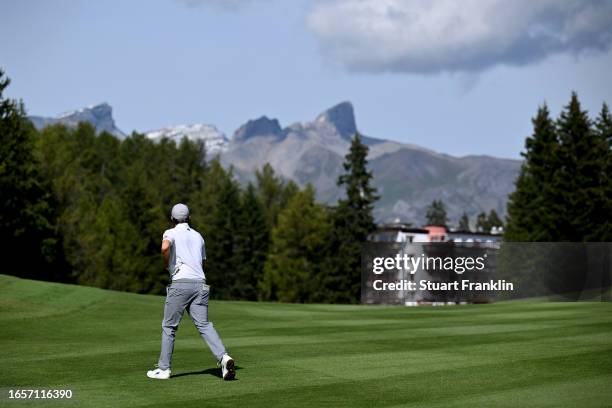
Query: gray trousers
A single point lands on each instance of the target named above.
(193, 296)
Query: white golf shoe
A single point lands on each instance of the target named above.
(227, 367)
(159, 374)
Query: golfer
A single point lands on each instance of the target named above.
(183, 252)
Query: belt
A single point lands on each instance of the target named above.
(189, 281)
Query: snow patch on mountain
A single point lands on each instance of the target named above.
(214, 140)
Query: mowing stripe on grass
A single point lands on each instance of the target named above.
(100, 344)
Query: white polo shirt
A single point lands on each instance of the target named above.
(187, 251)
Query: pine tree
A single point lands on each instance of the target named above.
(603, 131)
(493, 220)
(531, 205)
(25, 205)
(116, 251)
(603, 125)
(561, 193)
(143, 208)
(191, 157)
(353, 222)
(270, 190)
(222, 246)
(252, 246)
(482, 223)
(436, 213)
(299, 247)
(578, 185)
(464, 223)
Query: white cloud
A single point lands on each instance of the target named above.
(428, 36)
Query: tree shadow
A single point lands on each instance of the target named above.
(216, 372)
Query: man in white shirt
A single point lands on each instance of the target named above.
(183, 250)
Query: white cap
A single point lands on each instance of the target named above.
(180, 212)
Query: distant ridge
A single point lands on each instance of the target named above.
(408, 177)
(100, 116)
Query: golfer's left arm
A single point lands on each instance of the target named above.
(165, 250)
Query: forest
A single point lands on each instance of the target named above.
(90, 209)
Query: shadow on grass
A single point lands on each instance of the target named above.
(216, 372)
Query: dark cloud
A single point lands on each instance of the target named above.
(421, 36)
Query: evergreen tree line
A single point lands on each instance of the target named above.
(88, 208)
(436, 215)
(91, 209)
(564, 189)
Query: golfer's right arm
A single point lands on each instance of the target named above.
(165, 250)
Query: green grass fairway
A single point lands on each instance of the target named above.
(101, 343)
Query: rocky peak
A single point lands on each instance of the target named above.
(342, 117)
(101, 112)
(100, 116)
(258, 127)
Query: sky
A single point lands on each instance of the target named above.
(459, 77)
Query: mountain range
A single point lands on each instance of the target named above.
(408, 177)
(100, 116)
